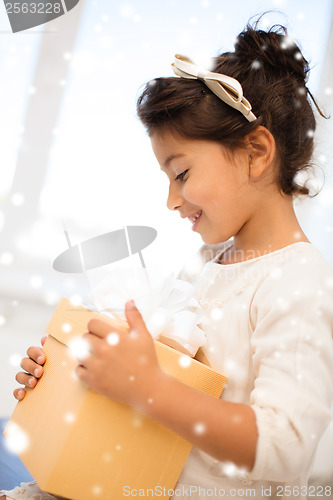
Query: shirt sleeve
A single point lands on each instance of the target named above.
(292, 323)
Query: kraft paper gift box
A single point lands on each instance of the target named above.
(80, 445)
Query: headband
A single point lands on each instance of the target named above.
(228, 89)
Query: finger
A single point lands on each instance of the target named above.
(43, 340)
(19, 394)
(134, 317)
(82, 373)
(102, 328)
(94, 342)
(31, 367)
(26, 379)
(37, 355)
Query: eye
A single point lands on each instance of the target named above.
(180, 177)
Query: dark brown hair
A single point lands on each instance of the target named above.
(273, 73)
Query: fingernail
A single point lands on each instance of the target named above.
(31, 381)
(130, 303)
(36, 372)
(40, 360)
(20, 393)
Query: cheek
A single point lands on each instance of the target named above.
(225, 200)
(202, 195)
(192, 191)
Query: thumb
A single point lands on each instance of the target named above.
(134, 317)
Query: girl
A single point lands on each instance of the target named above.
(266, 292)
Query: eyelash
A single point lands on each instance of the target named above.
(180, 177)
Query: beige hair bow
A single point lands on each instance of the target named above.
(228, 89)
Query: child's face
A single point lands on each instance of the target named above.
(212, 183)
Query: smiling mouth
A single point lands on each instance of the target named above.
(194, 217)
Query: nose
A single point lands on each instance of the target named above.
(175, 199)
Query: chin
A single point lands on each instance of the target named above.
(211, 240)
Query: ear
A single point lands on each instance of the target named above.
(260, 147)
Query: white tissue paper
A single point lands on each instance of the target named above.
(167, 305)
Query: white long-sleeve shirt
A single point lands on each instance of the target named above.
(269, 328)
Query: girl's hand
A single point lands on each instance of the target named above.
(122, 366)
(33, 369)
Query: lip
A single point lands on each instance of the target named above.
(191, 214)
(194, 224)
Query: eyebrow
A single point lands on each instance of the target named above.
(172, 157)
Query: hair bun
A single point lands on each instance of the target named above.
(274, 49)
